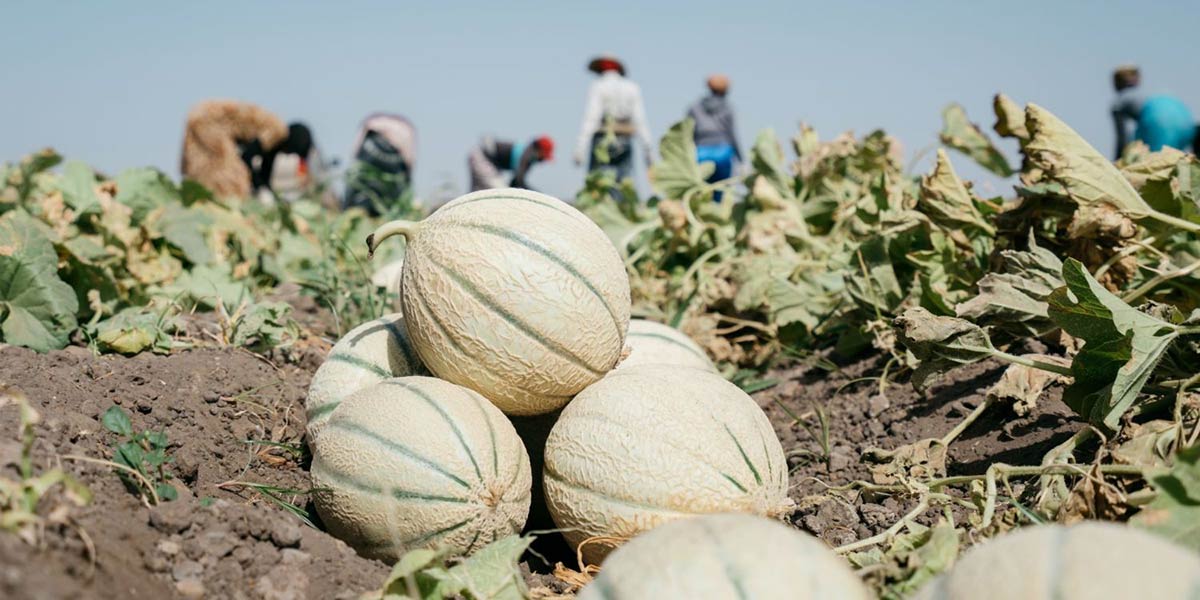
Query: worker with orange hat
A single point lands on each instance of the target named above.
(613, 116)
(715, 135)
(491, 157)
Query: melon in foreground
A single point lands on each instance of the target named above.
(514, 294)
(366, 355)
(715, 557)
(651, 444)
(417, 462)
(1088, 561)
(653, 343)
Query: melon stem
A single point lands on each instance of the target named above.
(387, 230)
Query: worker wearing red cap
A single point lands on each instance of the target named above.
(614, 115)
(491, 157)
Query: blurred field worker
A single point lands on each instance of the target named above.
(491, 158)
(1160, 120)
(230, 146)
(613, 116)
(715, 135)
(385, 152)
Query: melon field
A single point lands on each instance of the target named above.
(844, 379)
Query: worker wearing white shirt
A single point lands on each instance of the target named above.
(613, 117)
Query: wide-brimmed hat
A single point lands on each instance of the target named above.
(605, 62)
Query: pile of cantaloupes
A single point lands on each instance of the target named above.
(515, 304)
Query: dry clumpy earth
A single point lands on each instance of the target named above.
(224, 540)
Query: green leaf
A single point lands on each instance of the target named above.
(166, 492)
(131, 455)
(1015, 299)
(491, 573)
(678, 173)
(940, 343)
(78, 186)
(263, 325)
(1121, 346)
(960, 133)
(145, 189)
(157, 439)
(946, 200)
(768, 160)
(208, 286)
(1087, 176)
(37, 309)
(115, 420)
(184, 228)
(1175, 511)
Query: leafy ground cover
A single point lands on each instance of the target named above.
(941, 367)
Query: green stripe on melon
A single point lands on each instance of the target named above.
(515, 295)
(1091, 560)
(652, 343)
(366, 355)
(650, 444)
(723, 557)
(398, 465)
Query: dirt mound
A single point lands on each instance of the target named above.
(217, 540)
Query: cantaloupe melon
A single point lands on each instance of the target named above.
(653, 343)
(366, 355)
(725, 556)
(419, 462)
(1087, 561)
(650, 444)
(515, 295)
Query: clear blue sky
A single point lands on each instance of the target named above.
(110, 82)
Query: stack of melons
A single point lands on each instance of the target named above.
(518, 305)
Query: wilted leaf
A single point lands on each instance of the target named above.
(1015, 300)
(940, 343)
(1121, 346)
(37, 309)
(1149, 444)
(1175, 512)
(678, 173)
(1087, 176)
(960, 133)
(1010, 118)
(1094, 497)
(134, 330)
(1155, 166)
(1021, 386)
(922, 460)
(946, 200)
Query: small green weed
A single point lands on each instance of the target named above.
(143, 453)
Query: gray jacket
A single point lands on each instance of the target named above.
(714, 123)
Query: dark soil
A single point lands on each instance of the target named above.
(217, 540)
(860, 417)
(224, 540)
